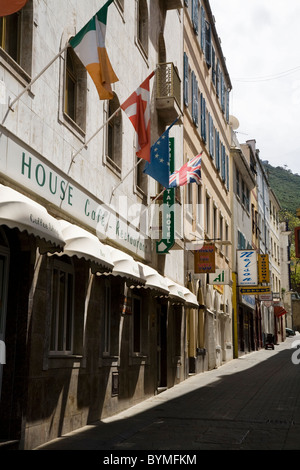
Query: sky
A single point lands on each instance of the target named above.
(260, 40)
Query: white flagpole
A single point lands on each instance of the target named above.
(37, 77)
(94, 135)
(100, 128)
(122, 180)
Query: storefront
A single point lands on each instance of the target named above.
(89, 331)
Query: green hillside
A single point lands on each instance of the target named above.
(286, 186)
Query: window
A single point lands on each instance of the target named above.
(141, 177)
(137, 324)
(107, 317)
(186, 79)
(211, 135)
(203, 118)
(215, 223)
(208, 43)
(75, 90)
(114, 135)
(16, 41)
(221, 227)
(10, 41)
(200, 211)
(217, 150)
(62, 303)
(227, 239)
(195, 106)
(237, 183)
(142, 26)
(207, 214)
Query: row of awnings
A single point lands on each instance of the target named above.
(63, 238)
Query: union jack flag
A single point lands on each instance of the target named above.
(190, 172)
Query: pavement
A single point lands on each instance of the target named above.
(249, 403)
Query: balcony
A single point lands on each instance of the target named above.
(168, 93)
(173, 4)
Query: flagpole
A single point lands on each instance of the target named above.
(122, 180)
(100, 128)
(94, 135)
(37, 77)
(148, 207)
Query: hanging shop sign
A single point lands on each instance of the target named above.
(263, 269)
(266, 297)
(247, 267)
(204, 260)
(219, 277)
(249, 301)
(168, 212)
(255, 290)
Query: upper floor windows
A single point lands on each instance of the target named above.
(114, 135)
(10, 41)
(16, 41)
(203, 31)
(75, 90)
(242, 191)
(142, 26)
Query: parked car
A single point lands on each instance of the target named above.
(289, 332)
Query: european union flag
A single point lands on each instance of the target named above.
(159, 166)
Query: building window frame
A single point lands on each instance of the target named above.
(142, 27)
(74, 75)
(113, 142)
(62, 307)
(19, 63)
(136, 324)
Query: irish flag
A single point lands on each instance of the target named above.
(89, 45)
(8, 7)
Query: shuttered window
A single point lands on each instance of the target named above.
(186, 79)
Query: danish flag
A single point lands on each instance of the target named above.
(190, 172)
(137, 108)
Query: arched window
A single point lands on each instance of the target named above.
(142, 25)
(114, 135)
(75, 89)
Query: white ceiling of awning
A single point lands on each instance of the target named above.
(83, 244)
(182, 294)
(190, 298)
(154, 280)
(176, 291)
(125, 266)
(21, 212)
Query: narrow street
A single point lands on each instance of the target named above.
(251, 403)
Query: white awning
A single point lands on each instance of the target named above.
(83, 244)
(125, 266)
(21, 212)
(190, 298)
(154, 280)
(176, 291)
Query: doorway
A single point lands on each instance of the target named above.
(162, 346)
(4, 258)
